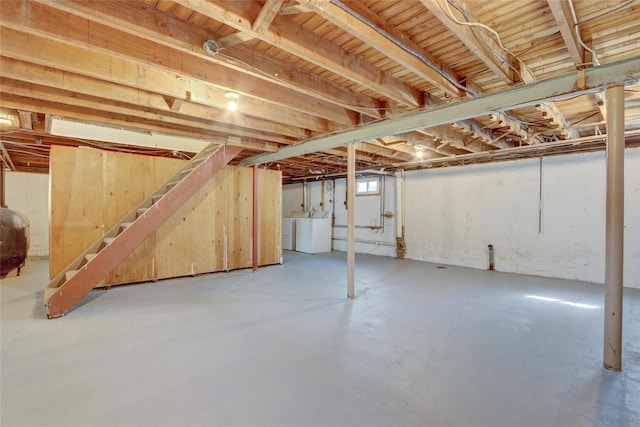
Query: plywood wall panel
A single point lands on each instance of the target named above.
(195, 249)
(122, 191)
(269, 220)
(76, 217)
(92, 190)
(240, 218)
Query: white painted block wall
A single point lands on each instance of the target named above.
(556, 229)
(29, 194)
(375, 234)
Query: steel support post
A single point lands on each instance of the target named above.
(614, 241)
(351, 229)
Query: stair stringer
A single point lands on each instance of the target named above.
(95, 263)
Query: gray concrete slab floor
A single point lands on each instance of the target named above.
(419, 345)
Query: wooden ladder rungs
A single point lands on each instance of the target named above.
(141, 211)
(155, 199)
(89, 257)
(124, 225)
(108, 240)
(186, 171)
(172, 184)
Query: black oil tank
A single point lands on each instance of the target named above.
(14, 240)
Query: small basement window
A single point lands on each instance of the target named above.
(367, 186)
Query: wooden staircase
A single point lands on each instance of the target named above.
(86, 271)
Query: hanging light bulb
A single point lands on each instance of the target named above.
(420, 152)
(232, 100)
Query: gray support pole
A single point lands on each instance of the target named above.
(614, 252)
(351, 229)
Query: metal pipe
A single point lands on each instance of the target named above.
(373, 242)
(382, 197)
(2, 186)
(491, 261)
(540, 197)
(401, 247)
(399, 43)
(303, 205)
(351, 230)
(369, 227)
(614, 240)
(525, 150)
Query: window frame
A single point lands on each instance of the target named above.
(368, 180)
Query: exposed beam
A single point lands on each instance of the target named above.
(561, 11)
(552, 113)
(562, 14)
(507, 119)
(145, 101)
(266, 15)
(475, 41)
(234, 39)
(297, 40)
(143, 21)
(470, 126)
(360, 22)
(550, 110)
(120, 120)
(580, 145)
(623, 72)
(62, 98)
(164, 65)
(293, 8)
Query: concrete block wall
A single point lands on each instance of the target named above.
(375, 233)
(544, 220)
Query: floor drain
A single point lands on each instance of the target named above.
(441, 266)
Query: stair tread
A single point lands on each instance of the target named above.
(69, 274)
(108, 240)
(89, 257)
(48, 292)
(125, 224)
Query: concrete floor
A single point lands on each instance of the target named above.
(418, 346)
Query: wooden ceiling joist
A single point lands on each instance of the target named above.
(132, 19)
(102, 54)
(477, 41)
(362, 23)
(564, 19)
(299, 41)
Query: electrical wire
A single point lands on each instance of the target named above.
(451, 16)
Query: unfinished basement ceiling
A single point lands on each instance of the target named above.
(304, 69)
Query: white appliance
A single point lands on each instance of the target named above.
(313, 235)
(289, 234)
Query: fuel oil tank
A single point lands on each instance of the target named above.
(14, 240)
